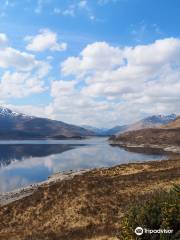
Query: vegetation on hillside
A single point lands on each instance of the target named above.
(160, 212)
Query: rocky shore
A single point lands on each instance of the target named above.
(9, 197)
(159, 147)
(83, 205)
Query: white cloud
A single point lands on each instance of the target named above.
(46, 39)
(3, 40)
(107, 85)
(18, 85)
(21, 73)
(70, 105)
(10, 57)
(98, 56)
(120, 84)
(18, 61)
(76, 7)
(160, 52)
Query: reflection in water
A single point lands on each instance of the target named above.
(21, 165)
(10, 153)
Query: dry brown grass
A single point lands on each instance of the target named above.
(156, 136)
(89, 206)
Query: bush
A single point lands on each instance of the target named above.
(160, 212)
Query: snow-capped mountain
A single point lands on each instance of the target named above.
(9, 119)
(151, 122)
(7, 113)
(15, 125)
(160, 119)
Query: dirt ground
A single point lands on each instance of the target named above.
(89, 206)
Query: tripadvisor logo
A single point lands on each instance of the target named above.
(139, 231)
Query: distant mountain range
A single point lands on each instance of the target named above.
(149, 122)
(97, 131)
(15, 125)
(105, 131)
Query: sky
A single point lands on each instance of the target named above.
(90, 62)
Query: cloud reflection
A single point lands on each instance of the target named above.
(29, 168)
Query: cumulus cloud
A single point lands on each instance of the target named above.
(27, 74)
(98, 56)
(18, 85)
(107, 85)
(46, 39)
(10, 57)
(121, 84)
(70, 105)
(21, 73)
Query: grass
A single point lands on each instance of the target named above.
(90, 206)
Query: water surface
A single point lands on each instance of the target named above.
(26, 162)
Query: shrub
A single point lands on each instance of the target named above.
(160, 212)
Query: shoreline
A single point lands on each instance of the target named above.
(162, 147)
(20, 193)
(88, 204)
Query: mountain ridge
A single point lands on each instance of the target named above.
(16, 126)
(148, 122)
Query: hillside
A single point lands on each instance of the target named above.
(89, 206)
(173, 124)
(154, 121)
(19, 126)
(168, 134)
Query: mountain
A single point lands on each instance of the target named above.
(97, 131)
(168, 134)
(116, 129)
(173, 125)
(150, 122)
(105, 131)
(15, 125)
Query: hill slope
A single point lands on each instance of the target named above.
(164, 135)
(154, 121)
(87, 206)
(173, 124)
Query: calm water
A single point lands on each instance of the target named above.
(26, 162)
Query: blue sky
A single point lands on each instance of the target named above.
(79, 60)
